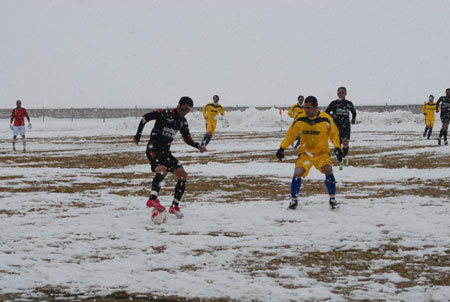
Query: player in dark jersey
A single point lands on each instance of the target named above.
(444, 101)
(167, 124)
(340, 112)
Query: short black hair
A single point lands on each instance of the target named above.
(312, 100)
(447, 89)
(342, 87)
(186, 100)
(300, 96)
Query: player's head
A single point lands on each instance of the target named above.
(184, 106)
(311, 106)
(18, 103)
(216, 98)
(431, 98)
(447, 92)
(342, 92)
(300, 99)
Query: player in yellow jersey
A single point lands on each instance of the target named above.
(428, 110)
(210, 111)
(315, 128)
(295, 110)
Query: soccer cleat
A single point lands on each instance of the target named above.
(425, 133)
(175, 210)
(346, 162)
(333, 203)
(155, 204)
(293, 204)
(446, 143)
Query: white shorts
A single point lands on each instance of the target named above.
(19, 130)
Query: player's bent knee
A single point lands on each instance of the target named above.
(327, 169)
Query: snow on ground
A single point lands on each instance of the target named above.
(234, 243)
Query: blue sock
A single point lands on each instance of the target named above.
(330, 182)
(206, 139)
(295, 186)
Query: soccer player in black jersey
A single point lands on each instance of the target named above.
(340, 111)
(444, 101)
(167, 124)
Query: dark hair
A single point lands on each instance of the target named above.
(300, 96)
(432, 96)
(216, 97)
(312, 100)
(186, 100)
(342, 87)
(447, 89)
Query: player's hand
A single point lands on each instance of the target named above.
(339, 154)
(29, 126)
(353, 122)
(202, 148)
(11, 126)
(280, 154)
(135, 141)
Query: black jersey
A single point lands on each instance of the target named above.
(444, 101)
(167, 125)
(340, 111)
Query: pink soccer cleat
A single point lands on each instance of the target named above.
(175, 210)
(155, 204)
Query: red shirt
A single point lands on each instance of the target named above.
(18, 115)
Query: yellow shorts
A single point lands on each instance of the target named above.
(429, 123)
(318, 160)
(211, 125)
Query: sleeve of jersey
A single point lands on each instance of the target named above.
(334, 134)
(291, 136)
(423, 108)
(147, 117)
(353, 112)
(222, 111)
(291, 112)
(188, 138)
(204, 111)
(329, 108)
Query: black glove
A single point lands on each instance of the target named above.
(353, 122)
(339, 154)
(280, 153)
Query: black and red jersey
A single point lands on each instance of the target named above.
(167, 125)
(444, 102)
(340, 111)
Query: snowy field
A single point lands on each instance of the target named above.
(74, 224)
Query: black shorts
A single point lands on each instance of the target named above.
(162, 158)
(344, 131)
(445, 118)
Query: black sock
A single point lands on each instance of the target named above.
(156, 184)
(345, 150)
(445, 135)
(425, 132)
(441, 133)
(179, 189)
(429, 132)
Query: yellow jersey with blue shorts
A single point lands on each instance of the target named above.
(210, 111)
(314, 134)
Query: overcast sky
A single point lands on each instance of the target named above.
(251, 53)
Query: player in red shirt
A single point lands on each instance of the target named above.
(18, 114)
